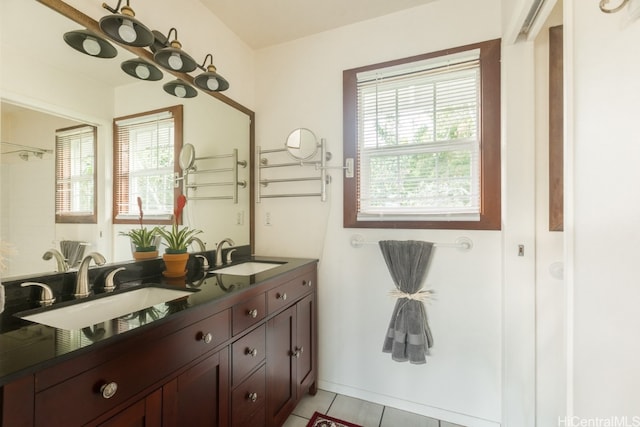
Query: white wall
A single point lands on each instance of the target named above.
(300, 85)
(550, 290)
(604, 229)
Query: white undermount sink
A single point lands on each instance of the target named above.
(88, 313)
(247, 268)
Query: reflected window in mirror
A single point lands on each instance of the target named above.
(76, 175)
(146, 148)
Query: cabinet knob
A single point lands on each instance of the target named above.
(298, 352)
(252, 352)
(306, 283)
(206, 338)
(252, 397)
(108, 390)
(252, 313)
(283, 296)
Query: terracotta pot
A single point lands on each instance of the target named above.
(145, 255)
(175, 264)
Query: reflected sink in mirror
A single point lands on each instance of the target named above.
(248, 268)
(87, 313)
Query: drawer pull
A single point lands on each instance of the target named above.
(206, 338)
(252, 313)
(252, 397)
(298, 352)
(306, 283)
(108, 390)
(251, 352)
(283, 296)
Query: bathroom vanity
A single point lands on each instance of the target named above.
(240, 350)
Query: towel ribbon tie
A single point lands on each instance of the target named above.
(421, 295)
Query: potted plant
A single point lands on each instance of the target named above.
(144, 242)
(177, 239)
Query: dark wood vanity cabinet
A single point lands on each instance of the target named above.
(245, 362)
(291, 353)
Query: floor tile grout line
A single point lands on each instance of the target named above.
(382, 416)
(335, 395)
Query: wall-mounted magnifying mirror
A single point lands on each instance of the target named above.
(302, 144)
(187, 157)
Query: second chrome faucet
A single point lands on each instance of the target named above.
(82, 277)
(219, 250)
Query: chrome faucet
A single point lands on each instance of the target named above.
(198, 242)
(61, 263)
(219, 250)
(82, 277)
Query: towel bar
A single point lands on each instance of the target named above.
(463, 243)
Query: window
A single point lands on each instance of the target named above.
(76, 175)
(146, 147)
(424, 133)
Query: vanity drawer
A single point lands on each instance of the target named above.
(248, 313)
(247, 353)
(248, 404)
(83, 397)
(284, 294)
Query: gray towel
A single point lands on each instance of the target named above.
(73, 251)
(408, 337)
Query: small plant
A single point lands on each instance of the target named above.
(142, 238)
(178, 239)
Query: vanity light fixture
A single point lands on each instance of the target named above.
(90, 44)
(171, 56)
(124, 28)
(210, 80)
(180, 89)
(141, 69)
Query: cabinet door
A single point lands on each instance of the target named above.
(146, 412)
(305, 348)
(281, 382)
(200, 395)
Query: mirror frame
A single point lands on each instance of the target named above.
(92, 25)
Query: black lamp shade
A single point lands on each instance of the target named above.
(90, 44)
(180, 89)
(173, 58)
(127, 30)
(211, 81)
(141, 70)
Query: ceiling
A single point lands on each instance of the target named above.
(262, 23)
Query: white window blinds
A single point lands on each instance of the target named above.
(75, 174)
(144, 165)
(418, 140)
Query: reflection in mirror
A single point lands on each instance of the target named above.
(28, 192)
(78, 88)
(302, 144)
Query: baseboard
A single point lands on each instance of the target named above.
(426, 410)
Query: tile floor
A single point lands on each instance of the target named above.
(357, 411)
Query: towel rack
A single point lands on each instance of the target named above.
(234, 183)
(463, 243)
(320, 176)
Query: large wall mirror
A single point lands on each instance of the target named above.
(46, 85)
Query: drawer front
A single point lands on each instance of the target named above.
(248, 406)
(247, 353)
(86, 396)
(284, 294)
(248, 313)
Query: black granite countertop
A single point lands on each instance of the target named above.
(26, 346)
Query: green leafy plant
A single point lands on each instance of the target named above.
(177, 239)
(142, 238)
